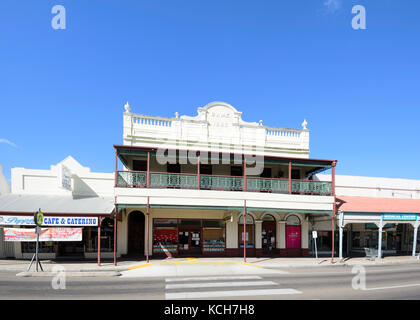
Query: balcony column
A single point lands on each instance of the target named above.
(290, 177)
(147, 230)
(244, 188)
(99, 241)
(148, 170)
(341, 227)
(116, 168)
(244, 230)
(380, 240)
(198, 172)
(416, 228)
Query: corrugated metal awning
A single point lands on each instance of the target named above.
(377, 205)
(55, 204)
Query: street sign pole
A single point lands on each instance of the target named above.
(315, 235)
(38, 219)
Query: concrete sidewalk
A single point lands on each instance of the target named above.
(177, 266)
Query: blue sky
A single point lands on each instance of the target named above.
(62, 92)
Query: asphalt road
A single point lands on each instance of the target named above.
(382, 282)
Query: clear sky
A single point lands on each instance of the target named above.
(62, 92)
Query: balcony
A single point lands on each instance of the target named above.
(139, 179)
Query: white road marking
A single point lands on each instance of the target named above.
(213, 278)
(235, 293)
(220, 284)
(394, 287)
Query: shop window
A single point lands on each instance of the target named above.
(213, 236)
(249, 232)
(165, 237)
(90, 235)
(44, 247)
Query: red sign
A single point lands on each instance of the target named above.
(293, 237)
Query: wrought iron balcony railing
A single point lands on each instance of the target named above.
(139, 179)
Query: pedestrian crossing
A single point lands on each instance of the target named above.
(191, 287)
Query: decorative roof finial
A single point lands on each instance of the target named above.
(127, 107)
(176, 115)
(261, 122)
(304, 124)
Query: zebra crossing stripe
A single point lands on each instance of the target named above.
(235, 293)
(220, 284)
(213, 278)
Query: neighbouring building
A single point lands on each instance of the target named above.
(72, 195)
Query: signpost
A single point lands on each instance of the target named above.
(38, 219)
(315, 235)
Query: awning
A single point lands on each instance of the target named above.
(55, 204)
(377, 205)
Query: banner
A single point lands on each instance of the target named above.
(49, 221)
(47, 234)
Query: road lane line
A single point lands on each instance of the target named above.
(235, 293)
(213, 278)
(220, 284)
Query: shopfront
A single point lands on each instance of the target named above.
(188, 237)
(391, 233)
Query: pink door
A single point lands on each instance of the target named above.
(293, 237)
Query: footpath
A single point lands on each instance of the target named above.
(189, 266)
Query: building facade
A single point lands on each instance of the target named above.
(188, 184)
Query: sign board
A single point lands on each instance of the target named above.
(46, 234)
(399, 217)
(64, 177)
(314, 234)
(49, 221)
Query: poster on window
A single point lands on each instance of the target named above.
(47, 234)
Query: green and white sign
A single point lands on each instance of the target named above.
(399, 217)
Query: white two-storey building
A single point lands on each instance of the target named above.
(186, 183)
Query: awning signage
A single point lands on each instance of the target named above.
(399, 217)
(47, 234)
(49, 221)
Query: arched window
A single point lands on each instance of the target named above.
(268, 217)
(293, 220)
(249, 233)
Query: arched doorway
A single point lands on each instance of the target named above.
(135, 234)
(268, 234)
(293, 236)
(249, 234)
